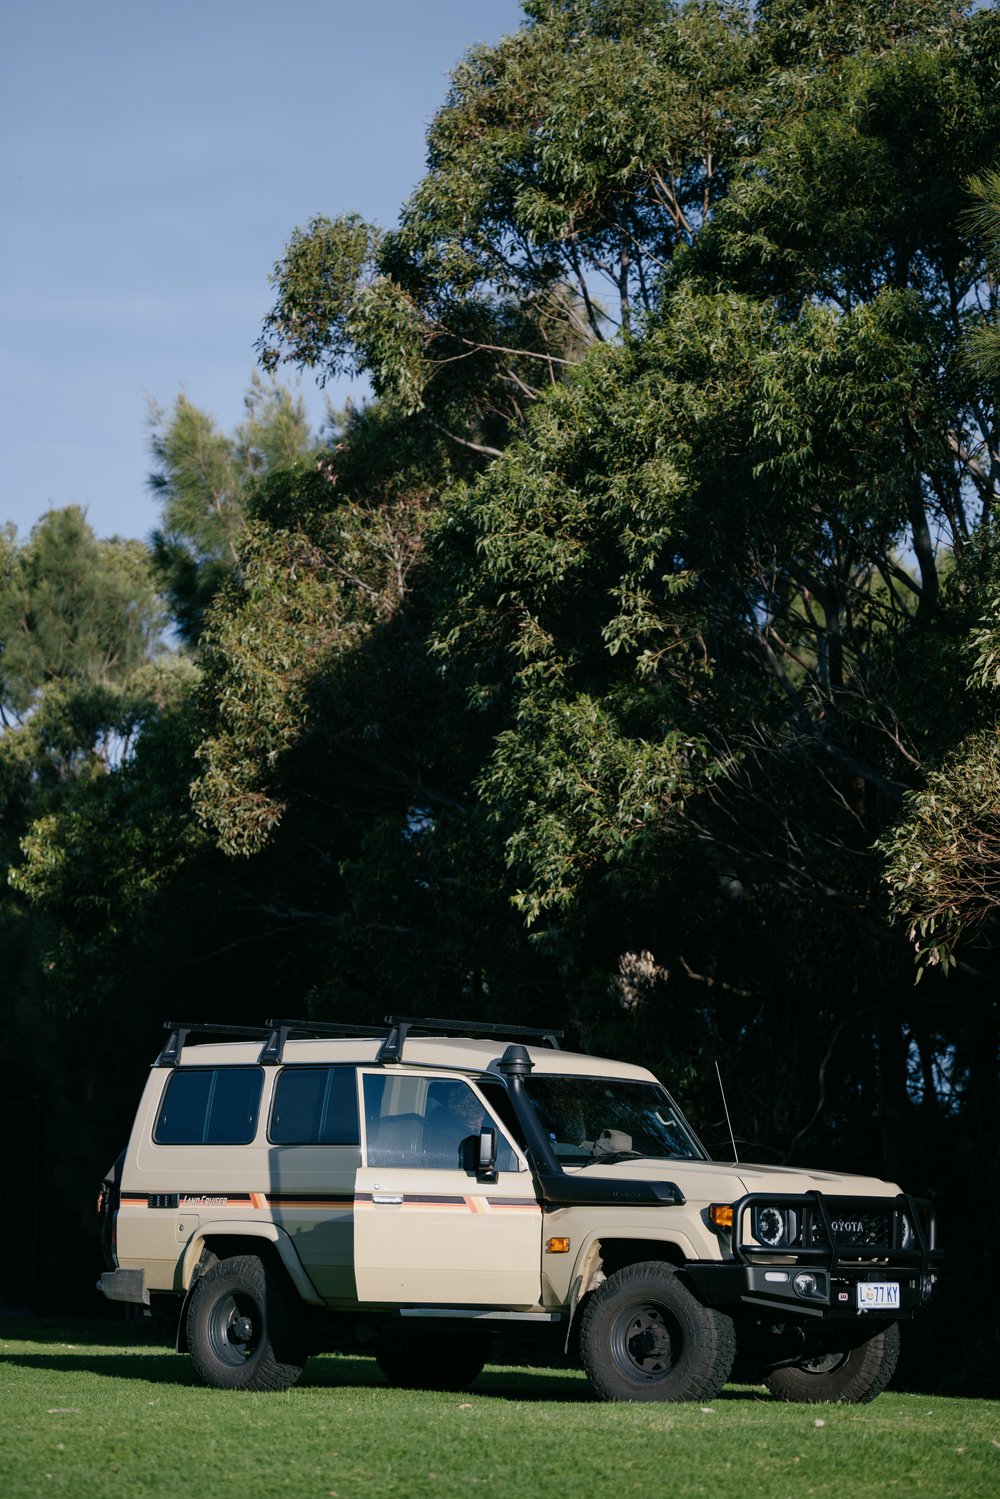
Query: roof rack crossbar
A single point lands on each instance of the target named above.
(180, 1030)
(281, 1030)
(402, 1025)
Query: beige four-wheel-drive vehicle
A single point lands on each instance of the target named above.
(419, 1186)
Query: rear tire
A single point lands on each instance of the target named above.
(644, 1336)
(849, 1376)
(241, 1327)
(448, 1361)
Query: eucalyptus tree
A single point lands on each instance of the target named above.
(943, 858)
(201, 481)
(568, 165)
(775, 419)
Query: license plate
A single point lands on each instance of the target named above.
(878, 1295)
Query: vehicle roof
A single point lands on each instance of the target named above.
(462, 1054)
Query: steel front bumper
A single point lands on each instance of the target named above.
(835, 1297)
(826, 1249)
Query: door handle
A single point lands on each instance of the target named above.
(385, 1197)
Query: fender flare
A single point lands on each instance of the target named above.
(227, 1228)
(589, 1268)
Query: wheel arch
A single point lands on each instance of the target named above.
(600, 1257)
(222, 1240)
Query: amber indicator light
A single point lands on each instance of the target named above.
(721, 1214)
(557, 1246)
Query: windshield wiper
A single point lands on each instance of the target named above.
(612, 1157)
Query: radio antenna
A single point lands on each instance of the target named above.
(729, 1122)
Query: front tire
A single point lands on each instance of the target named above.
(644, 1336)
(241, 1327)
(848, 1376)
(449, 1361)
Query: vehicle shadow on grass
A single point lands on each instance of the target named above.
(496, 1382)
(161, 1366)
(111, 1331)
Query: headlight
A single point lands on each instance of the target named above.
(774, 1227)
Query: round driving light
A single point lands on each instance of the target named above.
(806, 1285)
(770, 1226)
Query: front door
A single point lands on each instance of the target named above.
(427, 1231)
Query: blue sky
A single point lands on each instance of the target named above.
(155, 158)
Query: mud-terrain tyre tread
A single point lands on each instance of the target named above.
(272, 1356)
(448, 1362)
(863, 1373)
(645, 1336)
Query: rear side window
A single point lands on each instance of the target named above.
(315, 1106)
(210, 1106)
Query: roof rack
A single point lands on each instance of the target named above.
(274, 1034)
(181, 1029)
(402, 1025)
(393, 1031)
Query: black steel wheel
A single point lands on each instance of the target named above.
(644, 1336)
(848, 1376)
(241, 1328)
(445, 1361)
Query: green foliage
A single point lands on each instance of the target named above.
(80, 627)
(943, 859)
(201, 481)
(744, 564)
(686, 606)
(100, 859)
(581, 794)
(858, 179)
(985, 219)
(583, 145)
(327, 268)
(84, 680)
(584, 149)
(72, 609)
(943, 855)
(84, 674)
(318, 579)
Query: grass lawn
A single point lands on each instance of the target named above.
(92, 1410)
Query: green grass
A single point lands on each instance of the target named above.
(91, 1411)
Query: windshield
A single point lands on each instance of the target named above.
(592, 1119)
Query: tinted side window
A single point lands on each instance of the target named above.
(209, 1106)
(315, 1106)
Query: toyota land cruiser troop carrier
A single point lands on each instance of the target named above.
(415, 1187)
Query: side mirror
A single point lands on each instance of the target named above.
(486, 1155)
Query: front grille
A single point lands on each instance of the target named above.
(814, 1227)
(860, 1230)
